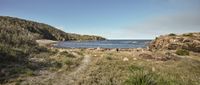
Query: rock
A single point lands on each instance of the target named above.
(189, 41)
(115, 49)
(139, 49)
(125, 59)
(159, 56)
(135, 59)
(153, 69)
(98, 48)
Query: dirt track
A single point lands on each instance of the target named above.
(60, 78)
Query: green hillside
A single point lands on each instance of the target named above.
(39, 30)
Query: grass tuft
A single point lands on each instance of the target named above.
(142, 78)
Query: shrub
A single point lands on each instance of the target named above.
(172, 34)
(29, 72)
(182, 52)
(188, 35)
(57, 64)
(68, 62)
(65, 53)
(108, 58)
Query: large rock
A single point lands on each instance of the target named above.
(189, 41)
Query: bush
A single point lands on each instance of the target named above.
(65, 53)
(68, 62)
(188, 35)
(172, 34)
(108, 58)
(29, 72)
(182, 52)
(57, 64)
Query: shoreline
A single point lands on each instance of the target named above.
(106, 49)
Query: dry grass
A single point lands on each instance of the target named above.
(111, 68)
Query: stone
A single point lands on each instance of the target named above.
(125, 59)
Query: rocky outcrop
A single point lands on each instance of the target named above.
(189, 41)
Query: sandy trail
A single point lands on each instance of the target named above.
(75, 75)
(58, 78)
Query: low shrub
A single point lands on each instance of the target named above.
(68, 62)
(29, 72)
(172, 34)
(108, 58)
(188, 35)
(182, 52)
(65, 53)
(57, 64)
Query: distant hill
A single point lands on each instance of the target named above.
(39, 30)
(187, 41)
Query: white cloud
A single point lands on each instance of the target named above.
(172, 23)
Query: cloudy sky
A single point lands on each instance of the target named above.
(113, 19)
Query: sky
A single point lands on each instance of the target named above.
(113, 19)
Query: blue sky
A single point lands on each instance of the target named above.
(113, 19)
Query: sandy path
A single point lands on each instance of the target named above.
(58, 78)
(75, 75)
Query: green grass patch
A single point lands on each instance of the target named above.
(142, 78)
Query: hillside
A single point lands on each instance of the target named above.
(39, 30)
(20, 54)
(188, 41)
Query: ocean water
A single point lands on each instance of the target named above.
(104, 44)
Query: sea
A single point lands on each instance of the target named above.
(104, 44)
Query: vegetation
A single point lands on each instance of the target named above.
(187, 41)
(172, 34)
(142, 78)
(20, 55)
(182, 52)
(188, 35)
(66, 54)
(21, 59)
(39, 30)
(139, 71)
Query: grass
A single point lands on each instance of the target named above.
(142, 78)
(139, 72)
(108, 68)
